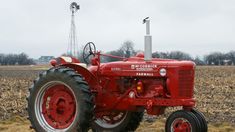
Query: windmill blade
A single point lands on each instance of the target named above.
(74, 7)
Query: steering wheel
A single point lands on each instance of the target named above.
(88, 51)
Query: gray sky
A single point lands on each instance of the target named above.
(41, 27)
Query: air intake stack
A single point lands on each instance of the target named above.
(147, 41)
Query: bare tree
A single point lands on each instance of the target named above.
(178, 55)
(215, 58)
(127, 49)
(13, 59)
(230, 56)
(199, 61)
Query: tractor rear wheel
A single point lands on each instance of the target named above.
(182, 121)
(60, 100)
(118, 121)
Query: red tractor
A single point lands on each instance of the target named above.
(114, 96)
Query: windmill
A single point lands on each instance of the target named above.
(72, 46)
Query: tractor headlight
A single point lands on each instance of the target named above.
(162, 72)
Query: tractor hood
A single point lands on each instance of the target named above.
(136, 66)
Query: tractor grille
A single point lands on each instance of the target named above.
(186, 80)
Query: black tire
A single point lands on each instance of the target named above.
(72, 82)
(202, 120)
(130, 123)
(185, 116)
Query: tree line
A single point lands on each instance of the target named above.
(218, 58)
(127, 50)
(214, 58)
(15, 59)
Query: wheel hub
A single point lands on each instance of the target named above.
(111, 119)
(181, 125)
(59, 106)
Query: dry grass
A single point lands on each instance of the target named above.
(19, 124)
(214, 91)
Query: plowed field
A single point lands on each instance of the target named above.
(214, 91)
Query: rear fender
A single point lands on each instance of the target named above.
(88, 76)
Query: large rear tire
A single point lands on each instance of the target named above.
(120, 122)
(60, 100)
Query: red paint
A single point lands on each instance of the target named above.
(140, 54)
(59, 106)
(112, 82)
(179, 125)
(53, 62)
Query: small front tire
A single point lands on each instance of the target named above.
(182, 121)
(202, 120)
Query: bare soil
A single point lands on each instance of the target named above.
(214, 92)
(19, 124)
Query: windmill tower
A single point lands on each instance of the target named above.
(72, 46)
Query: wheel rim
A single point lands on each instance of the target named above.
(55, 107)
(181, 125)
(111, 120)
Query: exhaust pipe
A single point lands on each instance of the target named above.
(147, 41)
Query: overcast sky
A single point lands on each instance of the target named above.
(41, 27)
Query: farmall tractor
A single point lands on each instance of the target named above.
(113, 97)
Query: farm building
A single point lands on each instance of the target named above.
(44, 59)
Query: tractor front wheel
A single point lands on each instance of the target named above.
(202, 120)
(117, 121)
(182, 121)
(60, 100)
